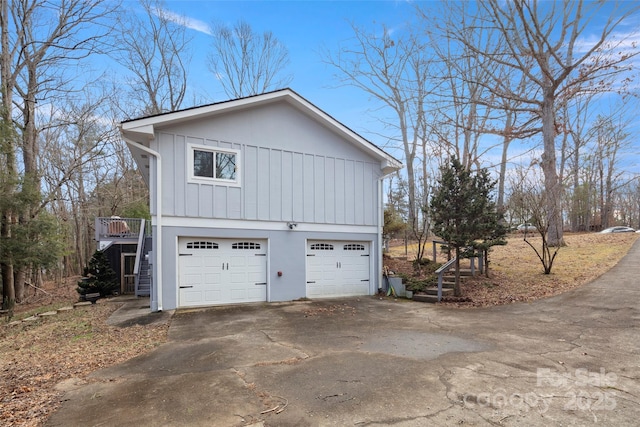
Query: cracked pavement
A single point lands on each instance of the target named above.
(569, 360)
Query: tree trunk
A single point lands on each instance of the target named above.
(552, 185)
(20, 279)
(503, 161)
(576, 211)
(10, 173)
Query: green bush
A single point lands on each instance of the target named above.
(99, 277)
(416, 284)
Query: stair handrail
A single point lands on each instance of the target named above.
(440, 272)
(447, 266)
(139, 249)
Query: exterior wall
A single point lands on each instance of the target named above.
(286, 253)
(114, 255)
(291, 169)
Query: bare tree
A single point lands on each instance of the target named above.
(461, 103)
(41, 43)
(247, 63)
(156, 51)
(394, 72)
(610, 138)
(574, 140)
(470, 109)
(544, 43)
(80, 140)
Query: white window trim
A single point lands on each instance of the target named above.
(205, 180)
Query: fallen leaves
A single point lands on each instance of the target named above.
(36, 356)
(331, 310)
(516, 274)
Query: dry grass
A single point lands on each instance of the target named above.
(585, 257)
(37, 355)
(516, 273)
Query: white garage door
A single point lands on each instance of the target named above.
(221, 271)
(336, 269)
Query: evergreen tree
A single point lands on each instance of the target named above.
(463, 212)
(99, 277)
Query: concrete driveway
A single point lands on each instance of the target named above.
(568, 360)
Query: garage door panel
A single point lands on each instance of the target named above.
(256, 277)
(191, 296)
(221, 271)
(238, 294)
(257, 293)
(337, 268)
(191, 279)
(212, 279)
(212, 295)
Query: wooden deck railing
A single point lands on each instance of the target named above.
(116, 228)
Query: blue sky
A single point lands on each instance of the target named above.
(304, 27)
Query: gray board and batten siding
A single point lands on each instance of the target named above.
(291, 168)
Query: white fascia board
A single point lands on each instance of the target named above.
(390, 166)
(240, 224)
(139, 133)
(197, 112)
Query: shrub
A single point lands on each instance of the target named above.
(418, 284)
(99, 277)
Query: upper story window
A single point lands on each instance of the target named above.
(210, 163)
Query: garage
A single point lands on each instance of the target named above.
(221, 271)
(337, 268)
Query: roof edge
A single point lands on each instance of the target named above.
(144, 127)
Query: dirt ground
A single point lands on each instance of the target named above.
(516, 274)
(37, 356)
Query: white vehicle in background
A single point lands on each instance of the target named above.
(527, 228)
(618, 229)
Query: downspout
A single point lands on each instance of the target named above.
(381, 223)
(157, 304)
(380, 229)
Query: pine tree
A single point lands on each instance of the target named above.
(463, 213)
(99, 277)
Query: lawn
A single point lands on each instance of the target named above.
(516, 274)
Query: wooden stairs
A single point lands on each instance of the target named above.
(430, 294)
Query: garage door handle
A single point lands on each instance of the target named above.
(263, 283)
(364, 280)
(311, 282)
(186, 287)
